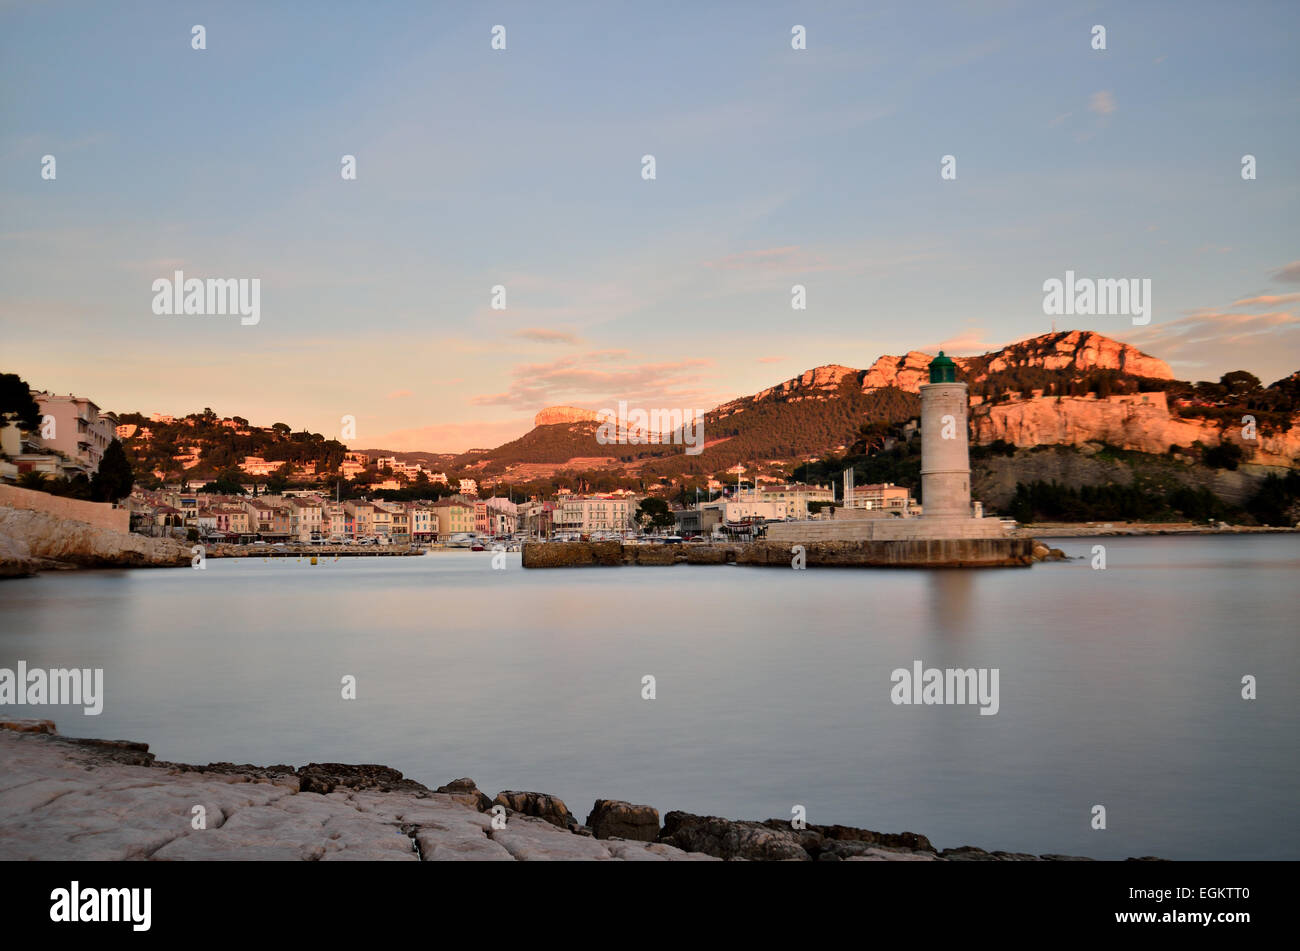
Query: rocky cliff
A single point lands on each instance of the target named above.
(1139, 422)
(563, 414)
(1080, 350)
(30, 541)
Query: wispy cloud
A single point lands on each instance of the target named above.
(964, 344)
(1102, 103)
(1289, 274)
(599, 376)
(1268, 300)
(542, 335)
(1221, 341)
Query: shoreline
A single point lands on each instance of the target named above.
(31, 543)
(88, 799)
(1142, 529)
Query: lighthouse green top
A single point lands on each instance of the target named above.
(943, 370)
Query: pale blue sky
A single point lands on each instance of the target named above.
(522, 167)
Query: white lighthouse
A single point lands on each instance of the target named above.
(945, 450)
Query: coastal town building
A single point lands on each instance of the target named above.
(359, 519)
(595, 513)
(537, 518)
(877, 497)
(306, 519)
(455, 514)
(76, 427)
(424, 525)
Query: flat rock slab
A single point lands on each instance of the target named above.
(65, 799)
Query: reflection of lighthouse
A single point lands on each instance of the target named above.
(945, 455)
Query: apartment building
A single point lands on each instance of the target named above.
(306, 519)
(597, 513)
(424, 524)
(261, 516)
(360, 518)
(792, 500)
(76, 427)
(880, 496)
(454, 514)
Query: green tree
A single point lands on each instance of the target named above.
(1226, 455)
(16, 402)
(277, 483)
(1239, 384)
(228, 482)
(654, 513)
(33, 480)
(114, 479)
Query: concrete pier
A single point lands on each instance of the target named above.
(865, 553)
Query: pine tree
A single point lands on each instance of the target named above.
(114, 479)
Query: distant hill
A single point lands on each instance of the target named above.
(201, 445)
(1071, 389)
(434, 460)
(822, 410)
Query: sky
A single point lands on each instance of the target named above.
(523, 167)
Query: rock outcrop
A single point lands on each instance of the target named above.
(31, 541)
(109, 800)
(466, 791)
(826, 379)
(1140, 422)
(614, 818)
(907, 372)
(92, 800)
(538, 805)
(564, 414)
(1080, 350)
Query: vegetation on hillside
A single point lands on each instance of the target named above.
(1135, 502)
(221, 448)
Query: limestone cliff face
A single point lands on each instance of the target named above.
(824, 379)
(563, 414)
(907, 372)
(33, 540)
(1077, 349)
(1139, 422)
(818, 383)
(1081, 350)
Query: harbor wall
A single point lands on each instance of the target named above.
(908, 553)
(103, 515)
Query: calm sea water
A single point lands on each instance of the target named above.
(1119, 687)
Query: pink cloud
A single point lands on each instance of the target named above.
(1289, 274)
(1266, 299)
(1102, 103)
(542, 335)
(599, 376)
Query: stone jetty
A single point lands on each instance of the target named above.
(910, 553)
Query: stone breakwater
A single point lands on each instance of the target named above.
(914, 553)
(82, 799)
(31, 541)
(302, 550)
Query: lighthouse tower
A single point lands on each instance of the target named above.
(945, 452)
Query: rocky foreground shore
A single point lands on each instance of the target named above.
(37, 541)
(67, 798)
